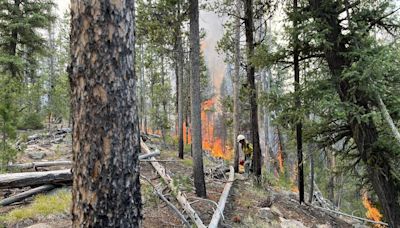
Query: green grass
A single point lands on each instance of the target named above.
(42, 205)
(187, 162)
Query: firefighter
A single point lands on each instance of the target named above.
(247, 149)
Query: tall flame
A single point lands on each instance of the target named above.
(280, 159)
(372, 212)
(210, 142)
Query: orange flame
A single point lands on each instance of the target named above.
(372, 212)
(187, 139)
(280, 159)
(210, 142)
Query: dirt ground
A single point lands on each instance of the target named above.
(247, 205)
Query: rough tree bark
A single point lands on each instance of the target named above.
(105, 138)
(249, 30)
(195, 97)
(364, 133)
(236, 83)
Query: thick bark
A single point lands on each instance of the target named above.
(198, 170)
(249, 29)
(105, 138)
(236, 83)
(364, 133)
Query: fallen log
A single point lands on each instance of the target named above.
(17, 180)
(39, 164)
(64, 163)
(26, 194)
(145, 156)
(351, 216)
(178, 194)
(218, 213)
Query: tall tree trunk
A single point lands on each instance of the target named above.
(51, 75)
(142, 92)
(332, 176)
(311, 154)
(180, 62)
(105, 144)
(14, 39)
(281, 144)
(299, 125)
(198, 170)
(376, 158)
(249, 29)
(236, 83)
(164, 116)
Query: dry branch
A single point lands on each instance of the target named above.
(222, 200)
(351, 216)
(26, 194)
(389, 120)
(162, 197)
(178, 194)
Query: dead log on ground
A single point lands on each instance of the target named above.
(178, 194)
(17, 180)
(218, 213)
(64, 163)
(39, 164)
(26, 194)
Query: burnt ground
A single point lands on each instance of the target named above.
(247, 205)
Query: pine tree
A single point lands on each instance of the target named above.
(20, 39)
(105, 138)
(198, 170)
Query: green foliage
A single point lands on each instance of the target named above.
(148, 196)
(8, 115)
(31, 121)
(42, 205)
(19, 27)
(183, 182)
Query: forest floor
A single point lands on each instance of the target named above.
(247, 206)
